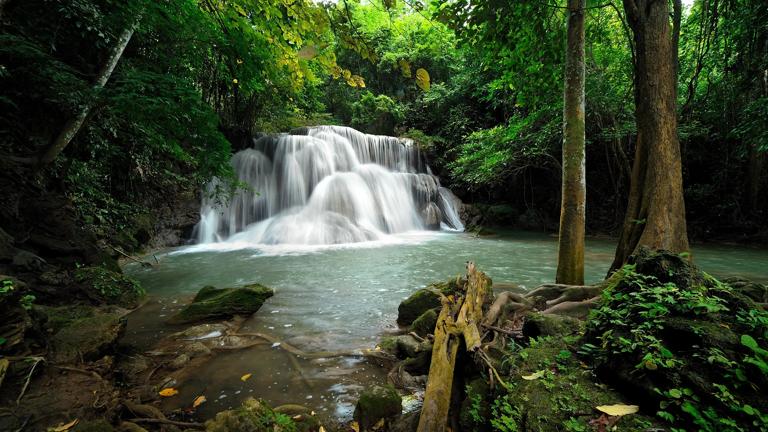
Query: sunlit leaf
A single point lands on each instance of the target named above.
(422, 79)
(534, 376)
(405, 68)
(168, 392)
(308, 52)
(198, 401)
(63, 427)
(618, 409)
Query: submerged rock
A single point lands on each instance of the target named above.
(377, 403)
(211, 303)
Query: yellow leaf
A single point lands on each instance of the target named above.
(168, 392)
(245, 377)
(359, 81)
(198, 401)
(405, 68)
(308, 52)
(422, 79)
(355, 426)
(322, 429)
(63, 427)
(534, 376)
(379, 425)
(618, 409)
(239, 61)
(234, 80)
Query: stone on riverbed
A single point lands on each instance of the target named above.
(377, 403)
(211, 303)
(256, 416)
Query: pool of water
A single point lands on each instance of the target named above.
(345, 297)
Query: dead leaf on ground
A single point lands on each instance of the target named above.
(534, 376)
(245, 377)
(618, 409)
(168, 392)
(63, 427)
(198, 401)
(355, 426)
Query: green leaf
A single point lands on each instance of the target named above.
(675, 393)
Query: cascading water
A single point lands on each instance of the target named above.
(329, 185)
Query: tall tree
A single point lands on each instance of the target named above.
(72, 126)
(656, 210)
(570, 259)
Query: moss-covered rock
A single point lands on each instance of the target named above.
(558, 394)
(256, 416)
(212, 303)
(688, 346)
(755, 291)
(541, 324)
(86, 337)
(425, 299)
(377, 403)
(425, 323)
(107, 286)
(414, 306)
(100, 425)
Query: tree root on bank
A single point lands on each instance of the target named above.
(168, 422)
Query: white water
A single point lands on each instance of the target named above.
(334, 185)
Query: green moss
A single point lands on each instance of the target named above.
(255, 416)
(425, 323)
(110, 287)
(376, 403)
(93, 426)
(539, 324)
(414, 306)
(87, 338)
(211, 302)
(562, 397)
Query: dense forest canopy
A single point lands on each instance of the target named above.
(476, 83)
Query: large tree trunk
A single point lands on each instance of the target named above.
(570, 260)
(656, 210)
(73, 125)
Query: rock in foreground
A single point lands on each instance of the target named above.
(212, 303)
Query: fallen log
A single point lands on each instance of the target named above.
(458, 323)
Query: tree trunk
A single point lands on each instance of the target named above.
(656, 210)
(73, 125)
(570, 260)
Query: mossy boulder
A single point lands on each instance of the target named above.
(682, 343)
(103, 285)
(541, 324)
(377, 403)
(558, 394)
(755, 291)
(414, 306)
(88, 336)
(425, 299)
(425, 323)
(212, 303)
(100, 425)
(256, 416)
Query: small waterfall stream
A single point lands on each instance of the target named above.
(328, 185)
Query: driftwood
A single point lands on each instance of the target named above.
(458, 322)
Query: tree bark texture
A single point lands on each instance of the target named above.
(656, 209)
(458, 323)
(74, 124)
(570, 260)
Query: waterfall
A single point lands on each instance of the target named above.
(328, 185)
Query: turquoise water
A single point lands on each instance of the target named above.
(345, 297)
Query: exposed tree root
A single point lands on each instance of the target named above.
(168, 422)
(29, 377)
